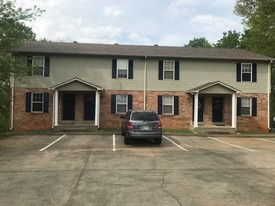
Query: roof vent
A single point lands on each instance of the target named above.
(116, 43)
(75, 42)
(156, 45)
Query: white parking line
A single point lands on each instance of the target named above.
(175, 144)
(233, 145)
(114, 142)
(52, 143)
(265, 140)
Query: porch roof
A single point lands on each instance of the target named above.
(214, 87)
(76, 84)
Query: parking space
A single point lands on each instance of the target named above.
(69, 169)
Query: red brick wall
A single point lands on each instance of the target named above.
(258, 123)
(30, 121)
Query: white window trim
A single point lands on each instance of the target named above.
(168, 105)
(127, 69)
(251, 68)
(122, 103)
(174, 64)
(35, 65)
(250, 106)
(32, 102)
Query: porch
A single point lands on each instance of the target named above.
(214, 108)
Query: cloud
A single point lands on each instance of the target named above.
(112, 11)
(179, 8)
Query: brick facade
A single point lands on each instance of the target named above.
(41, 121)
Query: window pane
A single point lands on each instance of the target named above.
(167, 100)
(167, 109)
(37, 97)
(122, 73)
(37, 107)
(245, 102)
(122, 64)
(245, 111)
(168, 75)
(38, 61)
(37, 71)
(246, 77)
(121, 108)
(168, 65)
(121, 99)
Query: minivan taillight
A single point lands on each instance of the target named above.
(159, 125)
(130, 125)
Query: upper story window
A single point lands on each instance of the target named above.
(122, 69)
(169, 70)
(40, 65)
(246, 72)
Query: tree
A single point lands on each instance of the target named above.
(13, 32)
(259, 20)
(199, 42)
(230, 39)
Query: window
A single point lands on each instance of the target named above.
(167, 104)
(168, 69)
(39, 65)
(37, 102)
(246, 72)
(121, 103)
(122, 68)
(245, 106)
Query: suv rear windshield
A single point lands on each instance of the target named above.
(145, 116)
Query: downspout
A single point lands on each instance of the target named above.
(145, 83)
(12, 99)
(269, 93)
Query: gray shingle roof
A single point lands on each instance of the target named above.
(139, 51)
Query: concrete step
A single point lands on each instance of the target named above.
(76, 128)
(215, 130)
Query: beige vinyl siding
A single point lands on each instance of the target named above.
(98, 71)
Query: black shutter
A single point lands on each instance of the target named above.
(254, 106)
(160, 70)
(176, 105)
(239, 106)
(29, 66)
(47, 67)
(239, 72)
(254, 72)
(131, 69)
(113, 104)
(130, 102)
(46, 102)
(159, 104)
(114, 61)
(177, 70)
(28, 101)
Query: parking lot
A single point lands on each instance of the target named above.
(70, 169)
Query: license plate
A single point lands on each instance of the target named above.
(145, 127)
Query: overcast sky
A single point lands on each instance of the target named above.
(142, 22)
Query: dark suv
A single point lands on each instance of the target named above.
(141, 124)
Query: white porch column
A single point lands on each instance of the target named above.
(56, 108)
(196, 109)
(97, 108)
(234, 111)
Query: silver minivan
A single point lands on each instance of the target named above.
(141, 124)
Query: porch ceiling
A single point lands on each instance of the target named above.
(216, 87)
(76, 84)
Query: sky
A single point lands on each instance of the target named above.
(136, 22)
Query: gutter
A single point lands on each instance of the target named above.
(145, 84)
(12, 100)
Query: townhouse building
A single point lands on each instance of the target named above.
(69, 84)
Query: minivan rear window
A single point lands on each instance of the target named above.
(145, 116)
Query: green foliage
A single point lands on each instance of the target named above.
(13, 32)
(199, 43)
(259, 20)
(230, 39)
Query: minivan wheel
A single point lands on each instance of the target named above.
(126, 140)
(158, 141)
